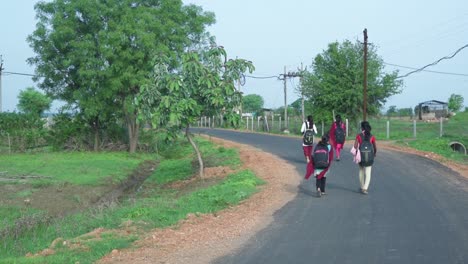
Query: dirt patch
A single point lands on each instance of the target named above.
(55, 200)
(202, 238)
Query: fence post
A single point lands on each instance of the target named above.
(388, 129)
(272, 122)
(252, 123)
(441, 127)
(266, 123)
(323, 127)
(347, 127)
(414, 128)
(279, 127)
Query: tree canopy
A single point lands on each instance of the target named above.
(97, 54)
(252, 103)
(455, 102)
(33, 102)
(335, 82)
(202, 86)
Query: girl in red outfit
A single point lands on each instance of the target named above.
(320, 174)
(365, 166)
(309, 124)
(338, 136)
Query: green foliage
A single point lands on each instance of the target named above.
(180, 165)
(203, 86)
(235, 188)
(252, 103)
(97, 54)
(336, 82)
(392, 110)
(92, 168)
(455, 102)
(150, 208)
(71, 131)
(33, 102)
(21, 132)
(172, 170)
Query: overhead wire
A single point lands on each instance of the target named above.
(434, 63)
(19, 73)
(262, 77)
(412, 68)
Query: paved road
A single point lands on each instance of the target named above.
(416, 212)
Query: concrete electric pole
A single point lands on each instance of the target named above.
(284, 78)
(1, 73)
(364, 107)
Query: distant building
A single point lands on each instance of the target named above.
(431, 110)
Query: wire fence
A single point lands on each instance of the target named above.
(382, 128)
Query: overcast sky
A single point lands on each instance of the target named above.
(274, 34)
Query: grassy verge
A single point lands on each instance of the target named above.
(79, 168)
(74, 238)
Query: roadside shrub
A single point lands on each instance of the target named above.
(22, 132)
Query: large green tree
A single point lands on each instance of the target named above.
(98, 54)
(33, 102)
(335, 82)
(202, 86)
(455, 102)
(252, 103)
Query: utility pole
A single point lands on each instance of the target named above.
(284, 78)
(364, 108)
(285, 101)
(1, 72)
(302, 94)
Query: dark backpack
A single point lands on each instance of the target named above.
(308, 137)
(320, 156)
(339, 133)
(367, 152)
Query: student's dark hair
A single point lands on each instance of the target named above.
(324, 140)
(338, 118)
(310, 121)
(366, 127)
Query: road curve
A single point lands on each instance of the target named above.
(416, 212)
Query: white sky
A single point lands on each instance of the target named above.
(274, 34)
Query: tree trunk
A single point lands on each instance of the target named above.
(96, 140)
(133, 132)
(195, 147)
(95, 125)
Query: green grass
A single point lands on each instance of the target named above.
(181, 169)
(154, 206)
(81, 168)
(427, 135)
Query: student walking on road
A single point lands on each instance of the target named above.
(338, 136)
(365, 146)
(322, 158)
(308, 131)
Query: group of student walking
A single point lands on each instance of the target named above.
(320, 157)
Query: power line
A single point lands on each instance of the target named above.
(19, 73)
(434, 63)
(439, 72)
(262, 77)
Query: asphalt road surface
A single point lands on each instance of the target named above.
(416, 212)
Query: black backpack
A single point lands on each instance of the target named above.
(320, 156)
(367, 151)
(339, 134)
(308, 137)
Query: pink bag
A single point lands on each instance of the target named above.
(356, 155)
